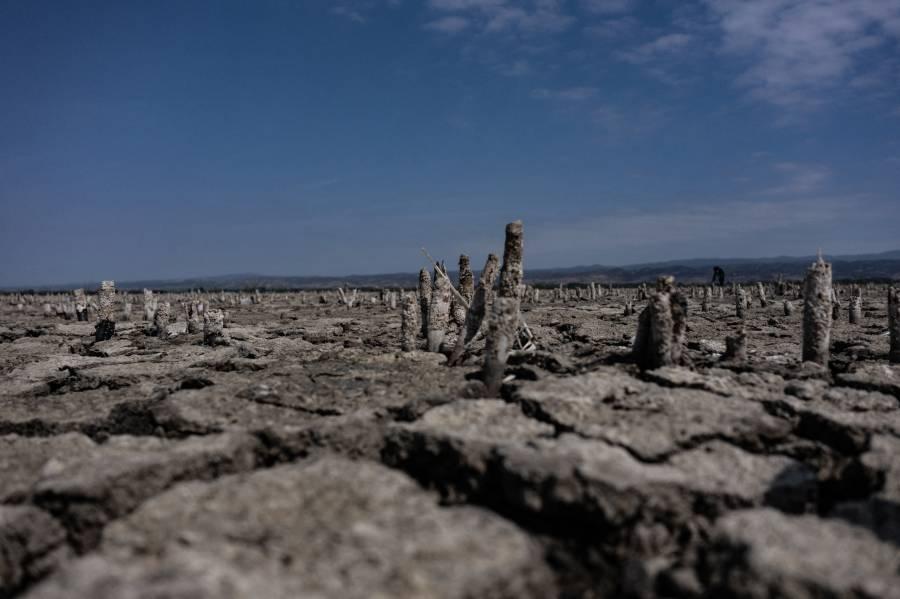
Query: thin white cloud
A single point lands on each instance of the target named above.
(799, 179)
(456, 5)
(509, 16)
(799, 49)
(518, 68)
(348, 13)
(603, 7)
(663, 46)
(569, 94)
(627, 120)
(610, 29)
(720, 221)
(449, 25)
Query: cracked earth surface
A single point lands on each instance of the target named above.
(310, 457)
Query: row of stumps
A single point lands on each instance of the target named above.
(660, 338)
(210, 322)
(820, 307)
(475, 311)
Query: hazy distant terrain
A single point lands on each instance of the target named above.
(885, 265)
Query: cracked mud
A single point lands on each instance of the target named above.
(306, 455)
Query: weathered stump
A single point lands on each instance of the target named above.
(161, 318)
(894, 324)
(788, 307)
(512, 273)
(214, 328)
(501, 334)
(480, 304)
(736, 347)
(817, 313)
(409, 323)
(424, 298)
(855, 309)
(438, 313)
(106, 325)
(466, 290)
(662, 327)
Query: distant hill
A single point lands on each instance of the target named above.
(883, 266)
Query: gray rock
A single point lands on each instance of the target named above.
(24, 460)
(762, 553)
(118, 476)
(590, 488)
(874, 377)
(648, 420)
(356, 435)
(880, 511)
(31, 544)
(327, 527)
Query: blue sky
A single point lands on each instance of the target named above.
(172, 138)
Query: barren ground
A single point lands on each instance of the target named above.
(310, 457)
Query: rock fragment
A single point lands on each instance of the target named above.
(764, 553)
(32, 543)
(326, 527)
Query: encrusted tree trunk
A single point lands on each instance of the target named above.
(106, 325)
(409, 323)
(788, 307)
(195, 320)
(665, 283)
(483, 298)
(653, 342)
(855, 310)
(835, 306)
(478, 307)
(511, 274)
(500, 336)
(740, 301)
(662, 326)
(679, 304)
(438, 313)
(149, 305)
(817, 313)
(214, 328)
(763, 302)
(736, 346)
(466, 290)
(424, 298)
(161, 319)
(894, 324)
(81, 306)
(466, 278)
